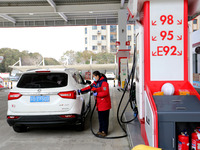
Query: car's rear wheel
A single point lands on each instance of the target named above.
(20, 128)
(81, 126)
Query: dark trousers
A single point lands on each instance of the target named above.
(103, 120)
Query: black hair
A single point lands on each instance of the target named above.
(97, 73)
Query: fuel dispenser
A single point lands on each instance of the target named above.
(123, 71)
(164, 57)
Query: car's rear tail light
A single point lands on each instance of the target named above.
(13, 96)
(67, 116)
(42, 71)
(68, 94)
(12, 117)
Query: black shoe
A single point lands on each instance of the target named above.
(102, 134)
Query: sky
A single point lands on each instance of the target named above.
(48, 41)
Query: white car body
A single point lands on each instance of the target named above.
(110, 75)
(51, 105)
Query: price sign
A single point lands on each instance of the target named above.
(166, 40)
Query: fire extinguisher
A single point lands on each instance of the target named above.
(196, 139)
(183, 141)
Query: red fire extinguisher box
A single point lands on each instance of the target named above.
(88, 76)
(191, 129)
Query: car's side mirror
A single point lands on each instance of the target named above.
(88, 82)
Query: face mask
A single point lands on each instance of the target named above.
(94, 79)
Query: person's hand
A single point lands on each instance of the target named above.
(95, 94)
(93, 89)
(79, 92)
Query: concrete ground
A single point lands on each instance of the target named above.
(57, 138)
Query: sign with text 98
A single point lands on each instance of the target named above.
(166, 40)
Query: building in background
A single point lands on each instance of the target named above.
(103, 38)
(195, 24)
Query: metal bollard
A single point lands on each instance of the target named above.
(114, 82)
(6, 84)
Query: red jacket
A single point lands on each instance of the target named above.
(103, 97)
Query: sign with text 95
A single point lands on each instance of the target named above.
(166, 40)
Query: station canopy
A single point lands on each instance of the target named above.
(40, 13)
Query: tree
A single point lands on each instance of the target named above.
(29, 59)
(78, 57)
(84, 57)
(11, 56)
(68, 57)
(105, 58)
(51, 61)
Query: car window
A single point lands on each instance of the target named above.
(43, 80)
(78, 78)
(109, 73)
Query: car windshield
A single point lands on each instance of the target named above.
(43, 80)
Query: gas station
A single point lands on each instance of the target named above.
(168, 106)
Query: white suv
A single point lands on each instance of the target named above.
(110, 75)
(48, 97)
